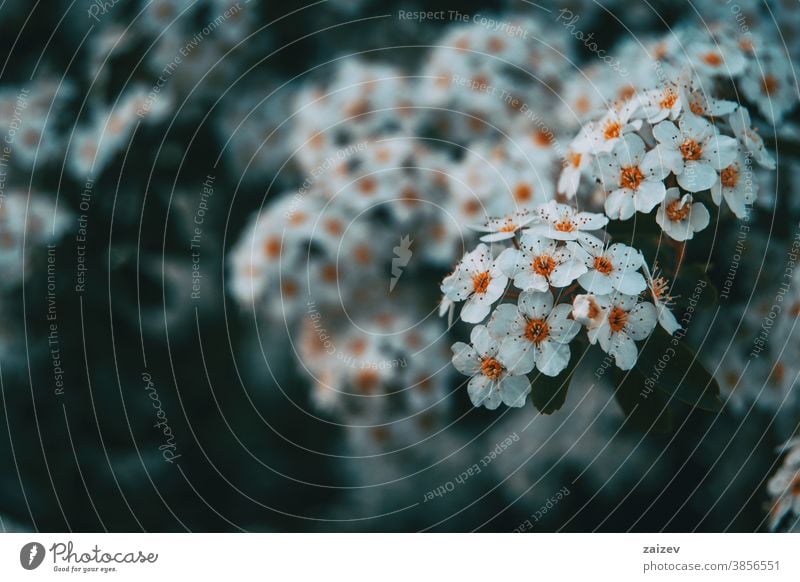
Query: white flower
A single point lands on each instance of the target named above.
(736, 185)
(561, 222)
(608, 269)
(587, 311)
(659, 291)
(504, 227)
(633, 178)
(784, 486)
(699, 102)
(770, 83)
(695, 152)
(624, 322)
(574, 164)
(711, 59)
(600, 136)
(493, 381)
(749, 138)
(660, 104)
(534, 333)
(478, 280)
(679, 217)
(540, 263)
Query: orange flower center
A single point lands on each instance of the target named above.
(603, 265)
(367, 185)
(491, 368)
(542, 137)
(509, 227)
(677, 212)
(367, 381)
(729, 177)
(631, 177)
(537, 331)
(696, 108)
(612, 130)
(670, 97)
(481, 282)
(544, 265)
(627, 92)
(496, 44)
(565, 225)
(617, 319)
(272, 247)
(769, 84)
(523, 192)
(691, 150)
(796, 486)
(575, 159)
(712, 59)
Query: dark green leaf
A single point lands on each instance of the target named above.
(548, 394)
(669, 365)
(647, 409)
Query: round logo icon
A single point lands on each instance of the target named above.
(31, 555)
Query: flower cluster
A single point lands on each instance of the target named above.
(672, 149)
(784, 488)
(554, 256)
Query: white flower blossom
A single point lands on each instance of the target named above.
(494, 379)
(478, 281)
(504, 227)
(540, 263)
(680, 217)
(609, 269)
(632, 177)
(562, 222)
(624, 322)
(736, 185)
(659, 291)
(749, 138)
(695, 152)
(534, 333)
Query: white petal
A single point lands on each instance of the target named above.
(475, 309)
(630, 282)
(518, 355)
(536, 305)
(667, 319)
(528, 280)
(697, 176)
(514, 390)
(480, 389)
(552, 358)
(619, 204)
(562, 328)
(667, 133)
(720, 151)
(466, 359)
(655, 166)
(508, 262)
(642, 321)
(505, 320)
(483, 341)
(624, 351)
(596, 283)
(565, 273)
(649, 195)
(624, 258)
